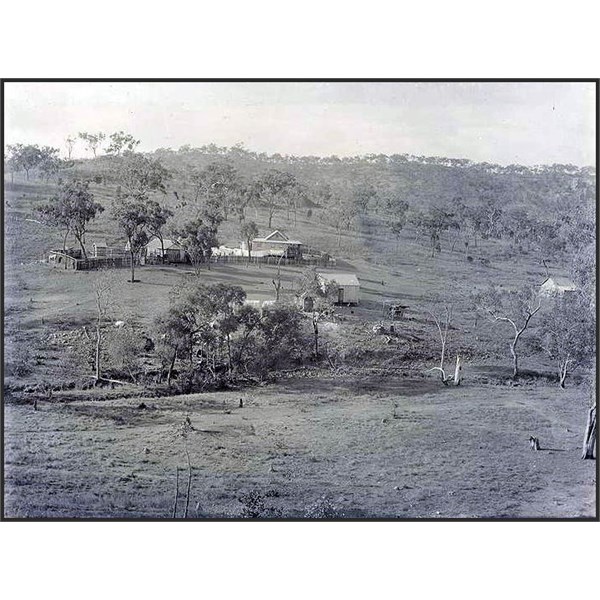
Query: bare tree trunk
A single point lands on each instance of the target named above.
(589, 438)
(65, 246)
(562, 374)
(174, 513)
(189, 484)
(82, 246)
(230, 363)
(98, 349)
(513, 351)
(132, 266)
(170, 371)
(457, 371)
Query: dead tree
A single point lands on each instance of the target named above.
(589, 437)
(446, 379)
(443, 325)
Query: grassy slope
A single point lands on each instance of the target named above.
(456, 452)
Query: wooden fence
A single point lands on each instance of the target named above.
(273, 260)
(58, 259)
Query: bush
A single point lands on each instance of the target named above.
(323, 508)
(254, 507)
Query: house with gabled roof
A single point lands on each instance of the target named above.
(276, 244)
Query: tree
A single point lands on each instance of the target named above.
(363, 193)
(568, 333)
(271, 189)
(56, 214)
(93, 140)
(132, 216)
(340, 214)
(157, 219)
(323, 294)
(249, 231)
(399, 219)
(198, 239)
(138, 177)
(11, 166)
(442, 313)
(72, 209)
(70, 144)
(102, 291)
(200, 319)
(591, 435)
(280, 337)
(433, 221)
(218, 185)
(442, 317)
(121, 142)
(25, 157)
(249, 321)
(50, 163)
(515, 307)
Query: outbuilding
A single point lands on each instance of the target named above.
(557, 286)
(174, 252)
(348, 286)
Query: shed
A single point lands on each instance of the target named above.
(348, 286)
(100, 248)
(174, 252)
(557, 286)
(276, 243)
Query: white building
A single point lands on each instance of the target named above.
(557, 286)
(348, 286)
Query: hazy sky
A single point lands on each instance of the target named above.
(527, 123)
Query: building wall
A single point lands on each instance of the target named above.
(351, 293)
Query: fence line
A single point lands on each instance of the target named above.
(124, 261)
(272, 260)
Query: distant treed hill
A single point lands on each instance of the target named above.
(417, 179)
(442, 202)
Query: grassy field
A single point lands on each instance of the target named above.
(385, 447)
(362, 441)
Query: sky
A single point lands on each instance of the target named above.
(504, 123)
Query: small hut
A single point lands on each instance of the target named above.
(557, 286)
(348, 286)
(100, 249)
(174, 252)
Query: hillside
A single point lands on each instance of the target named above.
(371, 390)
